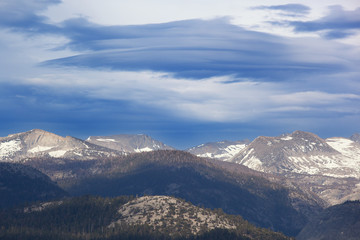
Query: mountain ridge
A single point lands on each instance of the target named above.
(214, 184)
(38, 143)
(223, 150)
(339, 222)
(129, 143)
(20, 184)
(299, 152)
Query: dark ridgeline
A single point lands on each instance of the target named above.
(20, 184)
(339, 222)
(213, 184)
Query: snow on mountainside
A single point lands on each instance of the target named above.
(129, 143)
(39, 143)
(224, 150)
(302, 152)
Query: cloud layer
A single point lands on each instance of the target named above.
(177, 76)
(339, 23)
(290, 9)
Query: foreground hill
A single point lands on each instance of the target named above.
(129, 143)
(21, 184)
(150, 217)
(340, 222)
(38, 143)
(214, 184)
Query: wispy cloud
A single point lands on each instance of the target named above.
(194, 49)
(290, 9)
(23, 15)
(339, 23)
(216, 99)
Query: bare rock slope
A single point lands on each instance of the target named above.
(328, 167)
(129, 143)
(303, 153)
(39, 143)
(224, 150)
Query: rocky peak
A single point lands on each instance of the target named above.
(40, 143)
(299, 152)
(129, 143)
(223, 150)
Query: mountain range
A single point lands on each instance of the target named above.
(279, 183)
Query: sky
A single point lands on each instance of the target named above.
(184, 72)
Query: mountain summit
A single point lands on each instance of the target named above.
(129, 143)
(304, 153)
(40, 143)
(224, 150)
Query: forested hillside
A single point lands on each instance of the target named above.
(235, 189)
(92, 218)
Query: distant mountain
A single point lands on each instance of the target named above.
(304, 153)
(148, 217)
(214, 184)
(129, 143)
(224, 150)
(340, 222)
(328, 167)
(355, 137)
(20, 184)
(39, 143)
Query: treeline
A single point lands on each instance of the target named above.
(88, 218)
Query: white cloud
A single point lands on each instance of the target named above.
(211, 99)
(313, 98)
(114, 12)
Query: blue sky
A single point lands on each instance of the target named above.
(184, 72)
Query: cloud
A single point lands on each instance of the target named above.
(193, 49)
(339, 23)
(181, 75)
(216, 99)
(291, 9)
(22, 15)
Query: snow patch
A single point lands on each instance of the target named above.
(105, 140)
(145, 149)
(10, 147)
(206, 155)
(40, 149)
(248, 153)
(254, 163)
(58, 153)
(346, 147)
(286, 138)
(79, 154)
